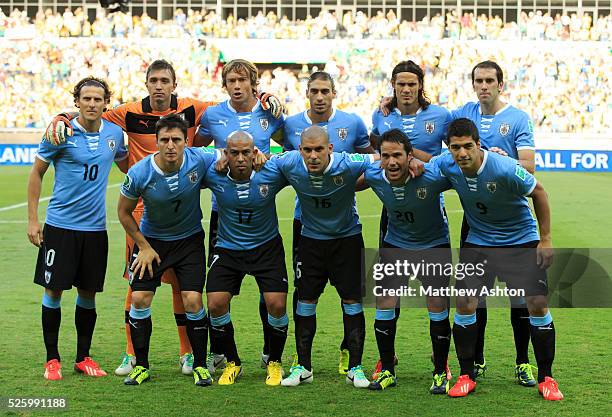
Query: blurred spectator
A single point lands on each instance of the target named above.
(564, 88)
(326, 25)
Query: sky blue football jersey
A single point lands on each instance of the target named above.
(494, 201)
(171, 201)
(347, 132)
(82, 164)
(221, 120)
(509, 129)
(247, 209)
(416, 219)
(327, 199)
(426, 129)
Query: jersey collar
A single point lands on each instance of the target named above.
(507, 105)
(389, 182)
(77, 125)
(484, 161)
(239, 182)
(159, 170)
(395, 109)
(328, 121)
(146, 103)
(331, 162)
(233, 110)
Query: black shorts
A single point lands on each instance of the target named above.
(434, 264)
(339, 260)
(265, 262)
(297, 233)
(213, 228)
(72, 258)
(185, 256)
(515, 265)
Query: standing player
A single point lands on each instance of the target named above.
(417, 231)
(242, 111)
(346, 132)
(330, 244)
(170, 236)
(503, 235)
(425, 124)
(138, 120)
(509, 131)
(74, 243)
(411, 111)
(248, 243)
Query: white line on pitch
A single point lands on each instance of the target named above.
(14, 206)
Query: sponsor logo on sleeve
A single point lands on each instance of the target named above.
(520, 172)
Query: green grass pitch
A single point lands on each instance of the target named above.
(581, 204)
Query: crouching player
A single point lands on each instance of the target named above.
(417, 232)
(170, 236)
(503, 235)
(74, 243)
(248, 243)
(330, 246)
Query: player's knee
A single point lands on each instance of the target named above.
(537, 305)
(276, 306)
(192, 300)
(436, 304)
(142, 299)
(86, 293)
(467, 305)
(386, 303)
(52, 299)
(53, 293)
(217, 306)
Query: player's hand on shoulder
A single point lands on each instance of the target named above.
(35, 234)
(498, 150)
(272, 103)
(59, 128)
(385, 105)
(144, 262)
(545, 253)
(416, 167)
(259, 160)
(221, 166)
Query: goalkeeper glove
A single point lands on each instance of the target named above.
(59, 128)
(272, 103)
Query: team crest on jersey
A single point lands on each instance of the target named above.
(492, 187)
(338, 180)
(263, 122)
(430, 127)
(127, 182)
(193, 176)
(421, 193)
(264, 189)
(504, 128)
(47, 276)
(343, 133)
(111, 144)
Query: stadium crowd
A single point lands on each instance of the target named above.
(563, 89)
(531, 25)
